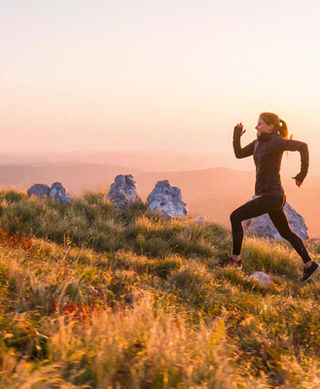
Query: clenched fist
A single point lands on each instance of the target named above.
(299, 179)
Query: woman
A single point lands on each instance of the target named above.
(267, 150)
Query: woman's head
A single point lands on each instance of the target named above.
(270, 122)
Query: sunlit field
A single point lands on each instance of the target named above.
(92, 297)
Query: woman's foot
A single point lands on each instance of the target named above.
(230, 260)
(309, 271)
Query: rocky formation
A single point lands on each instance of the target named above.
(167, 199)
(261, 277)
(38, 190)
(58, 192)
(123, 191)
(263, 226)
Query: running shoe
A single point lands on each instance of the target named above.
(309, 272)
(229, 261)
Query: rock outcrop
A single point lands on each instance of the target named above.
(261, 277)
(38, 190)
(167, 199)
(263, 226)
(123, 192)
(58, 193)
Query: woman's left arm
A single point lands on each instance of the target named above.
(295, 145)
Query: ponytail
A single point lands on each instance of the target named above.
(280, 126)
(283, 129)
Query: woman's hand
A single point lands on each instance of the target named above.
(238, 130)
(298, 179)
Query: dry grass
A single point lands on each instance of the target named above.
(148, 309)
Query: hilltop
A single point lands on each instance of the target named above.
(95, 297)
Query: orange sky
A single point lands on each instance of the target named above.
(146, 75)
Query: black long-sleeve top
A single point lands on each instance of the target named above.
(267, 152)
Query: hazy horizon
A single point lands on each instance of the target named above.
(161, 160)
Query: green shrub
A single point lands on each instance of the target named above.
(12, 196)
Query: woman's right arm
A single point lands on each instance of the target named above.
(302, 147)
(238, 150)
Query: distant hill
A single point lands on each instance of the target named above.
(75, 176)
(141, 160)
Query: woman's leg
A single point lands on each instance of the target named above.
(280, 221)
(253, 208)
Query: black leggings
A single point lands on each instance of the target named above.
(273, 205)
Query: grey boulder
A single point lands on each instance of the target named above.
(58, 193)
(263, 226)
(123, 192)
(38, 190)
(261, 277)
(167, 199)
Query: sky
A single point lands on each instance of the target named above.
(155, 75)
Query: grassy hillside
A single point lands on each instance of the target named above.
(213, 192)
(96, 298)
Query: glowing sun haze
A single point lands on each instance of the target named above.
(155, 75)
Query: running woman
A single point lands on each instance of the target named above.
(267, 150)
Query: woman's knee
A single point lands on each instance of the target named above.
(288, 234)
(235, 216)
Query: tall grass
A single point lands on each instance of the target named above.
(108, 299)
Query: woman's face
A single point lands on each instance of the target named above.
(262, 126)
